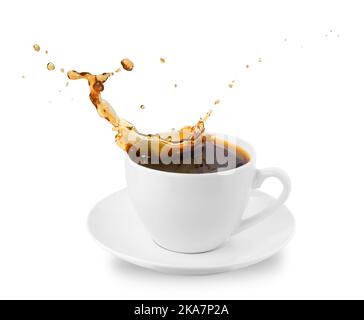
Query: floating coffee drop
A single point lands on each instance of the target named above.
(247, 66)
(162, 60)
(36, 47)
(207, 115)
(127, 64)
(62, 70)
(260, 60)
(175, 85)
(117, 70)
(142, 107)
(51, 66)
(217, 101)
(46, 52)
(231, 84)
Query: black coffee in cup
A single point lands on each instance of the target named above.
(208, 156)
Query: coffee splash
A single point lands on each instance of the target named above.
(176, 144)
(127, 134)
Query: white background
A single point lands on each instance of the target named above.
(301, 107)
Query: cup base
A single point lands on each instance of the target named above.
(189, 252)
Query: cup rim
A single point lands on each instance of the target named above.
(242, 143)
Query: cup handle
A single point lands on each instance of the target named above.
(260, 177)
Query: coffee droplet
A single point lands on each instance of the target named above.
(175, 85)
(217, 101)
(36, 47)
(50, 66)
(231, 84)
(207, 115)
(23, 77)
(46, 52)
(117, 70)
(162, 60)
(62, 70)
(127, 64)
(260, 60)
(142, 107)
(247, 66)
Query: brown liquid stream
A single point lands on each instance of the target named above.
(127, 134)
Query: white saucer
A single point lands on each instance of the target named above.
(116, 227)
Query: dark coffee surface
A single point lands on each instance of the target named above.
(208, 158)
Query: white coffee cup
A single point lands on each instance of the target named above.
(193, 213)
